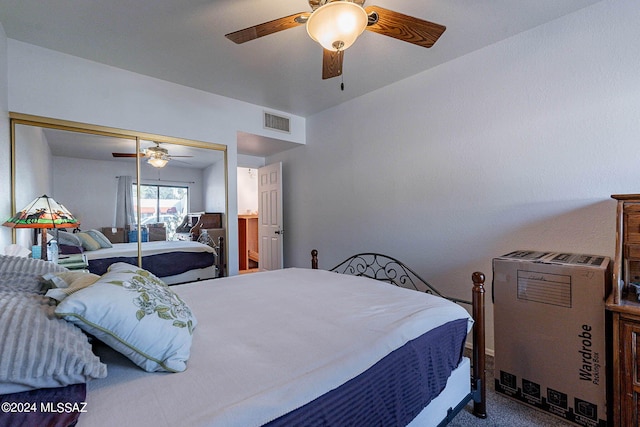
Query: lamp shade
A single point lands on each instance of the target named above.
(43, 212)
(337, 25)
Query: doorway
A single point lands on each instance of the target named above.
(260, 218)
(248, 220)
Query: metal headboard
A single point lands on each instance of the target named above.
(388, 269)
(218, 250)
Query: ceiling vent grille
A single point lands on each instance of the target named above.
(271, 121)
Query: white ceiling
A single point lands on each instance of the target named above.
(183, 41)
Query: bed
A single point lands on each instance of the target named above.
(304, 347)
(173, 261)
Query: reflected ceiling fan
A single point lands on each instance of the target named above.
(156, 156)
(336, 24)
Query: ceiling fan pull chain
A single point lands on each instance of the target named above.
(342, 82)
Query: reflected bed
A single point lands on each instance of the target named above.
(172, 261)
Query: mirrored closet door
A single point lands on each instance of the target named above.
(114, 180)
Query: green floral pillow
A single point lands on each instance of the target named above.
(135, 313)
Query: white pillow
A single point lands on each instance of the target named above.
(136, 314)
(100, 238)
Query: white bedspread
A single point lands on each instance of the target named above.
(148, 248)
(266, 344)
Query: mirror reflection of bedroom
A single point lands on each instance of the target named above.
(182, 197)
(249, 257)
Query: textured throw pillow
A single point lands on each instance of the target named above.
(88, 242)
(20, 274)
(39, 350)
(100, 238)
(136, 314)
(65, 283)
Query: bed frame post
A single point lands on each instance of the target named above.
(314, 259)
(479, 373)
(222, 263)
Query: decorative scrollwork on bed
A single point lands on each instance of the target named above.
(388, 269)
(205, 239)
(218, 248)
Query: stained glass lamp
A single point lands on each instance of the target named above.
(43, 213)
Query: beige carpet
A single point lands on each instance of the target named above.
(505, 412)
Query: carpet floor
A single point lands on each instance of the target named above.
(505, 412)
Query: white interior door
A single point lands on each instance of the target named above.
(270, 232)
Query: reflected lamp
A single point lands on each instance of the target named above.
(43, 213)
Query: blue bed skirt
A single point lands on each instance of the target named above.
(162, 265)
(393, 391)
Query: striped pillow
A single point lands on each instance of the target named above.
(37, 349)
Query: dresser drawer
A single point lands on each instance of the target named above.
(632, 228)
(632, 252)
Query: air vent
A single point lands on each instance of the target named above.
(271, 121)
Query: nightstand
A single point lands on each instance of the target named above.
(75, 262)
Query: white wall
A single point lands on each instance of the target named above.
(34, 177)
(247, 161)
(5, 145)
(213, 190)
(247, 190)
(88, 187)
(516, 146)
(52, 84)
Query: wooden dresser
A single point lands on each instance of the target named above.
(625, 313)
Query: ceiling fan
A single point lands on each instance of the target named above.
(336, 24)
(156, 156)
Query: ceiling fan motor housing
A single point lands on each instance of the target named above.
(317, 3)
(158, 151)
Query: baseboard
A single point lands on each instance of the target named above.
(487, 351)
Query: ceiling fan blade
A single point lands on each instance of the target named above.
(172, 156)
(403, 27)
(331, 63)
(132, 155)
(267, 28)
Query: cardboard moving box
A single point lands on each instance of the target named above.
(115, 235)
(550, 332)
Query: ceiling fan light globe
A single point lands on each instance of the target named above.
(338, 23)
(157, 162)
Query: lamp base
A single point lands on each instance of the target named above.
(43, 239)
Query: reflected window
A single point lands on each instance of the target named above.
(162, 204)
